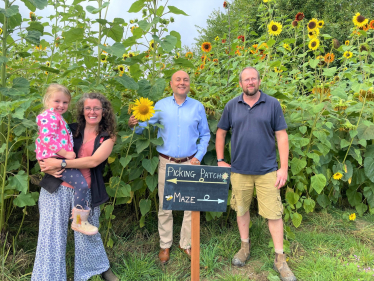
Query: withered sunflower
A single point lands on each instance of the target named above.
(347, 54)
(299, 16)
(359, 20)
(363, 48)
(274, 28)
(312, 24)
(336, 43)
(321, 23)
(329, 58)
(313, 44)
(295, 23)
(143, 109)
(206, 47)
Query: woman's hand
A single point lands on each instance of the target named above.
(50, 165)
(56, 172)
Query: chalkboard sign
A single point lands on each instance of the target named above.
(196, 188)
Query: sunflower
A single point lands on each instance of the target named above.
(131, 21)
(32, 16)
(347, 54)
(223, 41)
(312, 24)
(225, 4)
(189, 55)
(131, 54)
(143, 109)
(215, 61)
(335, 43)
(125, 56)
(366, 27)
(363, 48)
(313, 44)
(346, 43)
(206, 47)
(277, 70)
(104, 59)
(359, 20)
(46, 72)
(202, 66)
(48, 64)
(321, 23)
(203, 58)
(237, 52)
(295, 23)
(352, 216)
(216, 39)
(177, 56)
(254, 49)
(274, 28)
(1, 31)
(329, 57)
(265, 1)
(121, 68)
(371, 24)
(241, 37)
(152, 44)
(337, 176)
(133, 28)
(197, 73)
(313, 33)
(162, 67)
(299, 16)
(287, 47)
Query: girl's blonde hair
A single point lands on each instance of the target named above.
(53, 88)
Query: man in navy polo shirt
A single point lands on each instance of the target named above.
(255, 120)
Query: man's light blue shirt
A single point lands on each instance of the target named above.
(183, 125)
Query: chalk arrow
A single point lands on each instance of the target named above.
(199, 181)
(219, 201)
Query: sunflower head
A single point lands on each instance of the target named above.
(313, 33)
(335, 43)
(177, 56)
(299, 16)
(121, 68)
(206, 47)
(346, 43)
(143, 109)
(241, 37)
(371, 24)
(223, 41)
(365, 27)
(104, 59)
(32, 16)
(46, 72)
(321, 23)
(329, 58)
(225, 4)
(216, 39)
(125, 56)
(48, 64)
(359, 20)
(1, 31)
(363, 48)
(202, 66)
(287, 47)
(313, 44)
(347, 54)
(162, 66)
(254, 49)
(131, 54)
(189, 55)
(133, 28)
(295, 23)
(152, 44)
(312, 24)
(274, 28)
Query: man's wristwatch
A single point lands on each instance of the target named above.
(63, 164)
(220, 160)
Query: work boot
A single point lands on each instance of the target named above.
(80, 222)
(109, 276)
(281, 266)
(243, 255)
(164, 255)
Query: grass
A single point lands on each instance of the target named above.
(326, 247)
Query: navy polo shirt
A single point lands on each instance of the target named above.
(253, 134)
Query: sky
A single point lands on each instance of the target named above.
(198, 11)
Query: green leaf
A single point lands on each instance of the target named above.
(141, 144)
(137, 184)
(270, 42)
(19, 182)
(339, 92)
(125, 160)
(158, 141)
(49, 69)
(145, 25)
(303, 129)
(28, 199)
(168, 43)
(33, 37)
(11, 11)
(136, 6)
(313, 63)
(145, 206)
(354, 197)
(176, 11)
(144, 88)
(135, 71)
(369, 167)
(73, 35)
(365, 132)
(344, 143)
(115, 32)
(94, 10)
(159, 11)
(329, 71)
(309, 205)
(21, 84)
(297, 165)
(135, 173)
(178, 36)
(296, 219)
(38, 4)
(361, 208)
(124, 190)
(116, 49)
(150, 164)
(127, 82)
(157, 89)
(318, 182)
(323, 200)
(35, 25)
(183, 62)
(3, 60)
(130, 41)
(292, 198)
(151, 182)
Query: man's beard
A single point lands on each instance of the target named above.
(250, 93)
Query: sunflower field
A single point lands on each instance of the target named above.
(325, 87)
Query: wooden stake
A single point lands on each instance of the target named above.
(195, 245)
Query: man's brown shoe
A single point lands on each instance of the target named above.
(243, 254)
(281, 266)
(186, 251)
(164, 255)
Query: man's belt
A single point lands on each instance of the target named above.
(177, 160)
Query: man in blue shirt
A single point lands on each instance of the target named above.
(184, 121)
(255, 120)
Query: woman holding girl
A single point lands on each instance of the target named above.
(93, 139)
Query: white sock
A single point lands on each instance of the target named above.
(279, 251)
(245, 240)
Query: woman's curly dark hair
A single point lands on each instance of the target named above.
(108, 121)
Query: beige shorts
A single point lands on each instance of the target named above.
(269, 201)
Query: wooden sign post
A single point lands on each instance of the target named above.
(196, 188)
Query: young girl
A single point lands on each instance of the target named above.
(55, 140)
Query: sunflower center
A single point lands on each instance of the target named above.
(143, 109)
(314, 43)
(312, 25)
(206, 46)
(360, 18)
(274, 27)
